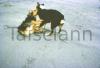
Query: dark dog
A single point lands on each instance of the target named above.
(50, 16)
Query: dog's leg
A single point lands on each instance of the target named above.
(60, 26)
(51, 32)
(52, 29)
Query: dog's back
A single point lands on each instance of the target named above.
(49, 15)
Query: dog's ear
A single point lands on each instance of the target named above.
(39, 4)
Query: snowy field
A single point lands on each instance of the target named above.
(79, 15)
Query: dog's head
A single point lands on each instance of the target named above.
(35, 9)
(26, 23)
(29, 25)
(39, 6)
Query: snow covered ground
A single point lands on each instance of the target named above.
(79, 15)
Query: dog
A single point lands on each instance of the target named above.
(41, 17)
(30, 25)
(50, 16)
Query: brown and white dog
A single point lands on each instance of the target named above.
(30, 24)
(34, 27)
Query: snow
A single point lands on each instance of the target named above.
(34, 53)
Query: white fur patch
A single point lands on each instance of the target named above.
(62, 22)
(29, 30)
